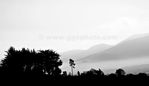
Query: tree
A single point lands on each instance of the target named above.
(72, 65)
(120, 72)
(43, 62)
(78, 73)
(100, 72)
(64, 73)
(50, 62)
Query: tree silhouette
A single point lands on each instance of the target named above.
(64, 73)
(100, 72)
(72, 65)
(43, 62)
(120, 72)
(50, 62)
(78, 73)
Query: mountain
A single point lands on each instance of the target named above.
(136, 47)
(77, 54)
(131, 54)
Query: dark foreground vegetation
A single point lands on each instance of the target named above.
(43, 65)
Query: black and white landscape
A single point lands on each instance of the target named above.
(74, 40)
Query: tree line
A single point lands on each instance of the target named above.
(28, 64)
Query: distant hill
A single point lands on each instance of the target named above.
(131, 54)
(133, 48)
(77, 54)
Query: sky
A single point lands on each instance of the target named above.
(64, 25)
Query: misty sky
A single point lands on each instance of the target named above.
(70, 24)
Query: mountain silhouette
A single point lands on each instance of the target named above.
(129, 53)
(78, 54)
(132, 48)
